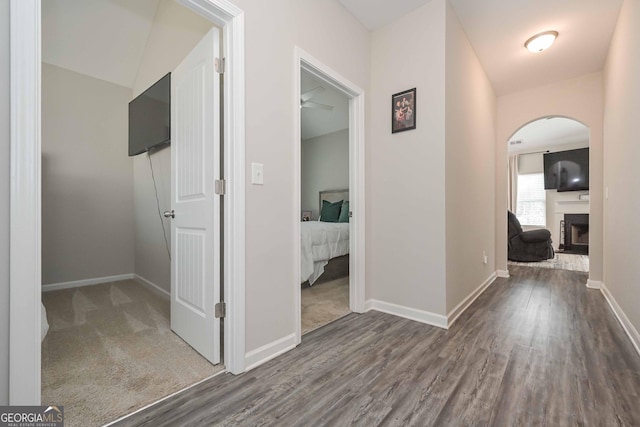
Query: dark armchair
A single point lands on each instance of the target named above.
(527, 246)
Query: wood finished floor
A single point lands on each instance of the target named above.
(536, 349)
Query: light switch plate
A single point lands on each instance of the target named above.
(257, 173)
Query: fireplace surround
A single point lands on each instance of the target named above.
(576, 233)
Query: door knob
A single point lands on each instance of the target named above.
(169, 214)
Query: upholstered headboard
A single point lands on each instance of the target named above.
(332, 196)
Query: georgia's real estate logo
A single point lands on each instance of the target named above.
(31, 416)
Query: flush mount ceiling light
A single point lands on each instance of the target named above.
(541, 41)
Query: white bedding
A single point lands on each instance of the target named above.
(321, 241)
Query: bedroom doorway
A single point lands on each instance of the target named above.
(324, 195)
(329, 215)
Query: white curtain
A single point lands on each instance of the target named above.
(512, 183)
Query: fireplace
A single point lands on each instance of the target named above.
(576, 233)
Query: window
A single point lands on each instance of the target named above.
(531, 208)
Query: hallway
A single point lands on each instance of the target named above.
(538, 347)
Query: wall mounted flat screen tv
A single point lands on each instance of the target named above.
(150, 117)
(567, 170)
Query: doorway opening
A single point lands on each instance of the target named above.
(115, 292)
(25, 223)
(324, 198)
(319, 89)
(548, 189)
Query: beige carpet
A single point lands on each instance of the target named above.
(561, 261)
(110, 351)
(324, 303)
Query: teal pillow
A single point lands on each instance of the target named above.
(330, 211)
(344, 212)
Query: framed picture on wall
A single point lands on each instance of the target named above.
(403, 111)
(306, 216)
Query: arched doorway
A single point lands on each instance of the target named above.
(548, 187)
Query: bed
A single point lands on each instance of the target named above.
(320, 242)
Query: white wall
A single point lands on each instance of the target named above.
(470, 167)
(580, 99)
(175, 31)
(4, 202)
(87, 178)
(622, 151)
(325, 166)
(406, 170)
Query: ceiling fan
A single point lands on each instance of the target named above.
(305, 99)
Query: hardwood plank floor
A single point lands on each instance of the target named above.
(538, 348)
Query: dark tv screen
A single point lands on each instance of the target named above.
(150, 117)
(567, 170)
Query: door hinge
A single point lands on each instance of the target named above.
(220, 187)
(219, 65)
(220, 310)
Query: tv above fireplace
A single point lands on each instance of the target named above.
(567, 170)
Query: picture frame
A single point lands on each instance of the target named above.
(306, 216)
(403, 110)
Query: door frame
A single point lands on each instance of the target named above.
(305, 61)
(25, 242)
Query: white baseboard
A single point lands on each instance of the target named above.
(263, 354)
(460, 308)
(628, 327)
(594, 284)
(85, 282)
(407, 313)
(152, 286)
(503, 273)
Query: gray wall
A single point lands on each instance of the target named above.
(431, 191)
(622, 151)
(176, 30)
(87, 178)
(406, 171)
(4, 202)
(325, 166)
(470, 167)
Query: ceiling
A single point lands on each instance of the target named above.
(375, 14)
(549, 132)
(497, 30)
(316, 122)
(104, 39)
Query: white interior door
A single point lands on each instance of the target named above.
(195, 228)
